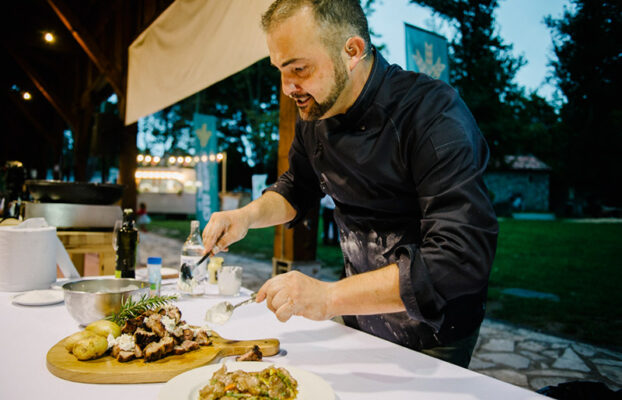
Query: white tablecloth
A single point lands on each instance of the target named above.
(358, 366)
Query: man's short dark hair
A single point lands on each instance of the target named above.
(338, 19)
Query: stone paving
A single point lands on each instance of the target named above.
(511, 354)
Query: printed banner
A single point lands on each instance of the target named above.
(204, 127)
(426, 52)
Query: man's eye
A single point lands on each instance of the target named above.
(299, 69)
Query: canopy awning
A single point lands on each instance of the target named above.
(190, 46)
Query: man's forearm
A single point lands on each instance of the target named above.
(374, 292)
(268, 210)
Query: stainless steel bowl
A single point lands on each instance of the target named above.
(90, 300)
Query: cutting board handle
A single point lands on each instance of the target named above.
(268, 347)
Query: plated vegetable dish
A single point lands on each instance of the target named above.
(268, 384)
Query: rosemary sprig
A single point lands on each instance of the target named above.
(132, 309)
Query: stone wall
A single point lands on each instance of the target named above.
(533, 186)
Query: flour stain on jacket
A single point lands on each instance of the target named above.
(368, 251)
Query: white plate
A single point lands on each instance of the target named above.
(39, 297)
(187, 385)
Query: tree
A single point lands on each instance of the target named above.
(247, 107)
(482, 69)
(587, 71)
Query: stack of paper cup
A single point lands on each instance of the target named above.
(27, 258)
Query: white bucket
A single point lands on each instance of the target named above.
(27, 258)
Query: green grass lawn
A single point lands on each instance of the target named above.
(257, 243)
(576, 261)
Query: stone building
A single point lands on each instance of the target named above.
(523, 184)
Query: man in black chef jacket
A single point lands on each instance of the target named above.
(402, 158)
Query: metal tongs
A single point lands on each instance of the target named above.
(221, 312)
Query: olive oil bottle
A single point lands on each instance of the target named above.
(127, 241)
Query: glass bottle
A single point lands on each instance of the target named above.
(191, 253)
(127, 241)
(213, 267)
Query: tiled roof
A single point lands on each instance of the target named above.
(526, 162)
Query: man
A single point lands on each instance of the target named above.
(403, 159)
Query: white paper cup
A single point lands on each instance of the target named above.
(229, 280)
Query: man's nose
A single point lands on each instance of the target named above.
(288, 86)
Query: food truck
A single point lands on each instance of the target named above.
(167, 190)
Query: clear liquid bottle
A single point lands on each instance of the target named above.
(127, 241)
(191, 252)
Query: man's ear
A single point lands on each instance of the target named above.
(355, 50)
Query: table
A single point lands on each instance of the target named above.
(79, 243)
(358, 366)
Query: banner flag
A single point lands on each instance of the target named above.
(204, 127)
(426, 52)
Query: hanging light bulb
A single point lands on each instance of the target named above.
(49, 37)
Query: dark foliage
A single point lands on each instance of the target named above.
(587, 71)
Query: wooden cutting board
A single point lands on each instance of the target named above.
(108, 370)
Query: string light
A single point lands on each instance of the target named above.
(49, 37)
(187, 160)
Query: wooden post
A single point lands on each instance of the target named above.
(127, 165)
(296, 247)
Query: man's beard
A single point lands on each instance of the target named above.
(315, 109)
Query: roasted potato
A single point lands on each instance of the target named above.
(91, 347)
(104, 328)
(71, 341)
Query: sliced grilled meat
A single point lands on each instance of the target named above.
(138, 352)
(253, 354)
(115, 351)
(173, 312)
(143, 337)
(202, 338)
(188, 334)
(156, 350)
(186, 346)
(132, 324)
(125, 356)
(155, 325)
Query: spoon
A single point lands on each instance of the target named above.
(221, 312)
(186, 270)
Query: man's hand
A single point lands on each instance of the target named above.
(223, 229)
(294, 293)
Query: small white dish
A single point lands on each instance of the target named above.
(39, 297)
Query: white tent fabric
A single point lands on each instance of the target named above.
(192, 45)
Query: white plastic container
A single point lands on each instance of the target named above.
(154, 272)
(27, 258)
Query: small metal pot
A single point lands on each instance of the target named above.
(90, 300)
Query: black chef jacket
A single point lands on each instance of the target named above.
(404, 166)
